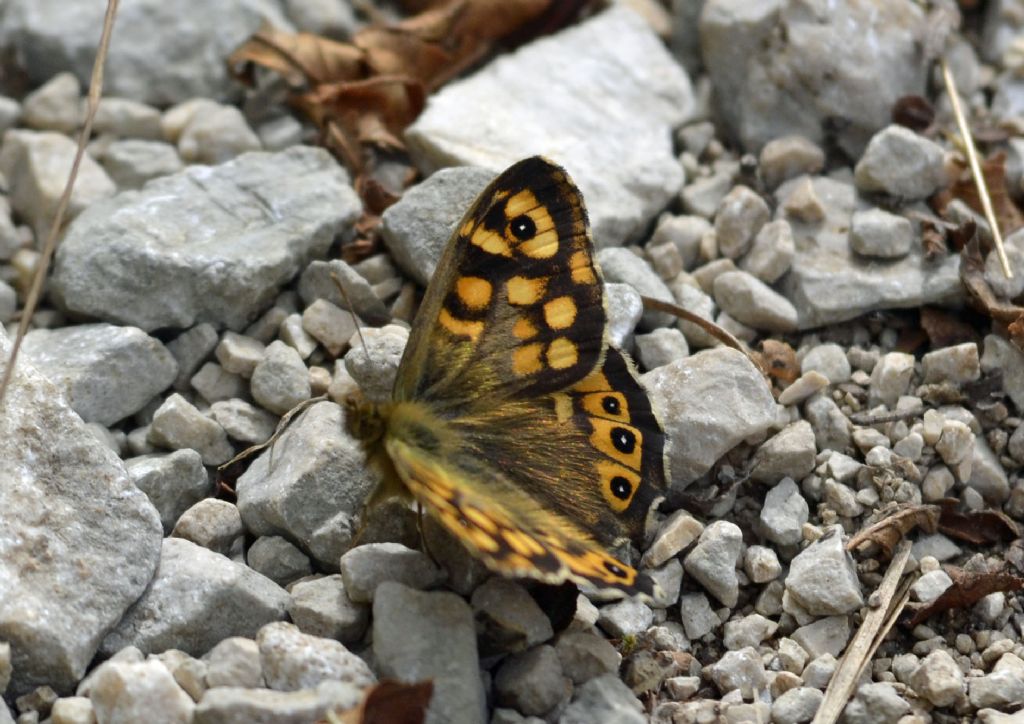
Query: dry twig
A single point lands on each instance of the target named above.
(32, 300)
(873, 629)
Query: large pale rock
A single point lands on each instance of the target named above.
(419, 635)
(828, 282)
(310, 486)
(196, 599)
(153, 56)
(107, 372)
(78, 541)
(37, 165)
(600, 98)
(782, 67)
(708, 403)
(209, 244)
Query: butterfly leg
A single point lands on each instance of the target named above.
(388, 488)
(420, 520)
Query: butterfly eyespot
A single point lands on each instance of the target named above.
(624, 440)
(621, 488)
(614, 569)
(611, 405)
(522, 227)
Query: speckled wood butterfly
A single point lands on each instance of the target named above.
(513, 421)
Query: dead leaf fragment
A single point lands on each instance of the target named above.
(972, 275)
(945, 329)
(968, 588)
(888, 532)
(389, 702)
(983, 527)
(779, 361)
(913, 112)
(993, 169)
(366, 92)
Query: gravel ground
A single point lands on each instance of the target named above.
(737, 159)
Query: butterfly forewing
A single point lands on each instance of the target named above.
(516, 306)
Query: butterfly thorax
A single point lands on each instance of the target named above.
(373, 423)
(366, 420)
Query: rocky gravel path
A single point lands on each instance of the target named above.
(737, 159)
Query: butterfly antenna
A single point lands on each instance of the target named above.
(352, 311)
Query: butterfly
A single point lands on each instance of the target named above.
(512, 420)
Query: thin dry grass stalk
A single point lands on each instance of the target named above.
(95, 91)
(972, 159)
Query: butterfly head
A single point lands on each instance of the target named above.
(365, 419)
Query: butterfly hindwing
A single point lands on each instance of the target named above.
(630, 467)
(531, 486)
(508, 531)
(516, 305)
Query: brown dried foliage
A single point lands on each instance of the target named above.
(913, 112)
(778, 360)
(365, 92)
(945, 329)
(972, 275)
(983, 527)
(993, 169)
(390, 702)
(968, 588)
(889, 531)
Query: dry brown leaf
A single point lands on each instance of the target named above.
(392, 51)
(968, 588)
(945, 329)
(911, 339)
(913, 112)
(972, 275)
(302, 59)
(779, 360)
(993, 169)
(390, 702)
(889, 531)
(1016, 331)
(365, 93)
(933, 237)
(977, 527)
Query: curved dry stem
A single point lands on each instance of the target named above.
(32, 300)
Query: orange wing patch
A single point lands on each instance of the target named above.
(582, 269)
(560, 312)
(523, 291)
(461, 327)
(562, 353)
(474, 292)
(526, 359)
(524, 329)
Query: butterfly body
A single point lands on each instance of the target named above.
(512, 420)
